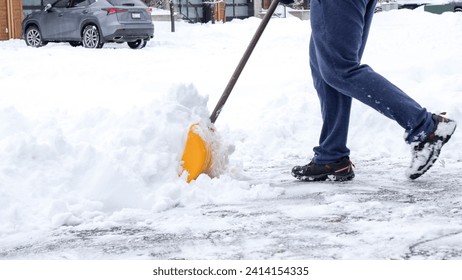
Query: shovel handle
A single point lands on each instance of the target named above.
(237, 72)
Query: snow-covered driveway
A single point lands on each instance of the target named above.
(90, 142)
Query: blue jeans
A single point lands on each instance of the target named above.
(339, 33)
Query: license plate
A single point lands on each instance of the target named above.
(136, 15)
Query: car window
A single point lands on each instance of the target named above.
(61, 4)
(79, 3)
(31, 2)
(126, 2)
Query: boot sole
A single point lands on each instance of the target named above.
(325, 177)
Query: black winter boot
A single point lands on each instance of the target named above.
(341, 170)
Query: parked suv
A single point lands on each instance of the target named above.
(90, 23)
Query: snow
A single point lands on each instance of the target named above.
(157, 11)
(90, 144)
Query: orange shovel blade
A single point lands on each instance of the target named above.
(197, 156)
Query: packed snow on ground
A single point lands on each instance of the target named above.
(91, 142)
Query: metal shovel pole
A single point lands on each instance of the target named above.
(216, 112)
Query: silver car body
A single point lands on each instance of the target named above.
(116, 21)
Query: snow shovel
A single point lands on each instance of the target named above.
(197, 157)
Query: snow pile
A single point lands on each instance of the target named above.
(61, 169)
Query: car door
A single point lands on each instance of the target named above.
(50, 21)
(71, 18)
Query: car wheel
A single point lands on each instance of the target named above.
(138, 44)
(34, 37)
(75, 43)
(91, 38)
(458, 9)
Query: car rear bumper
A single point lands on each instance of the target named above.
(130, 34)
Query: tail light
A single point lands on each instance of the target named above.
(149, 10)
(114, 10)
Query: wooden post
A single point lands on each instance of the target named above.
(220, 11)
(9, 16)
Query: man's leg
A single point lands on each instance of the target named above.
(339, 33)
(335, 107)
(335, 111)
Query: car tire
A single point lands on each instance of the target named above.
(138, 44)
(457, 9)
(91, 37)
(34, 37)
